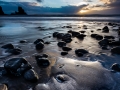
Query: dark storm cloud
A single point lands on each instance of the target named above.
(39, 0)
(116, 3)
(9, 7)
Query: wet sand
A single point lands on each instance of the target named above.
(14, 31)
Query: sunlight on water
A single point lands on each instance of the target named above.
(12, 29)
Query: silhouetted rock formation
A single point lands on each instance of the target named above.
(1, 11)
(20, 12)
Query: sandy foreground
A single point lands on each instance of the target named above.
(15, 31)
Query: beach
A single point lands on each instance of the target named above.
(14, 30)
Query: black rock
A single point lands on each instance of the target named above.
(103, 42)
(61, 44)
(67, 27)
(99, 37)
(116, 67)
(38, 41)
(74, 33)
(15, 51)
(94, 35)
(104, 47)
(105, 29)
(115, 50)
(66, 49)
(109, 37)
(55, 34)
(64, 53)
(67, 40)
(81, 36)
(23, 41)
(81, 52)
(43, 62)
(82, 31)
(67, 36)
(8, 46)
(31, 76)
(60, 35)
(47, 43)
(110, 24)
(39, 46)
(114, 43)
(17, 66)
(41, 56)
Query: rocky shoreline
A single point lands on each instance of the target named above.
(26, 72)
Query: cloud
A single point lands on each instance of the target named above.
(39, 0)
(31, 8)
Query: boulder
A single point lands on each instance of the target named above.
(8, 46)
(38, 41)
(61, 44)
(17, 66)
(39, 46)
(116, 67)
(115, 50)
(15, 51)
(64, 53)
(67, 36)
(81, 36)
(60, 35)
(103, 42)
(114, 43)
(66, 49)
(105, 29)
(82, 31)
(31, 76)
(96, 36)
(42, 62)
(81, 52)
(55, 34)
(74, 33)
(67, 40)
(99, 37)
(23, 41)
(109, 37)
(41, 56)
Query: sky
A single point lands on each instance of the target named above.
(62, 6)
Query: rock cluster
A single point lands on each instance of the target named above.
(18, 67)
(9, 48)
